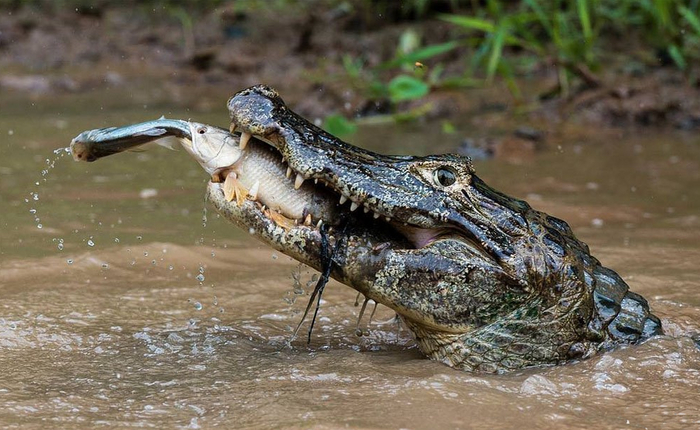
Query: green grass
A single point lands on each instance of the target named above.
(506, 38)
(573, 34)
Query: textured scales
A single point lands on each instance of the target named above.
(485, 282)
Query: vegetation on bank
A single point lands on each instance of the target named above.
(509, 39)
(502, 40)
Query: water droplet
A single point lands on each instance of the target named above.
(198, 306)
(90, 242)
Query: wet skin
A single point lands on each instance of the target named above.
(484, 282)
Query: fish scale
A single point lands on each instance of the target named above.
(276, 191)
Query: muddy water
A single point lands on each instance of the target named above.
(127, 308)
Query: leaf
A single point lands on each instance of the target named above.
(470, 23)
(496, 51)
(338, 125)
(405, 87)
(585, 20)
(421, 54)
(448, 127)
(691, 18)
(544, 20)
(676, 56)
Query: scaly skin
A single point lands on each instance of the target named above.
(485, 282)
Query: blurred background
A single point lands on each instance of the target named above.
(127, 302)
(610, 62)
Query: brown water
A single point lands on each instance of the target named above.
(125, 310)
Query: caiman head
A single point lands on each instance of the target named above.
(484, 281)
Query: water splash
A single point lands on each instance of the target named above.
(34, 194)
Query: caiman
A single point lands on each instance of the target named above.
(484, 282)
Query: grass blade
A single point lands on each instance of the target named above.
(585, 20)
(677, 56)
(470, 23)
(496, 51)
(690, 17)
(421, 54)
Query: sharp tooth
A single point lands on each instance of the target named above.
(353, 206)
(343, 199)
(319, 223)
(232, 127)
(366, 209)
(253, 193)
(387, 218)
(307, 220)
(245, 137)
(298, 181)
(376, 215)
(316, 181)
(289, 172)
(230, 187)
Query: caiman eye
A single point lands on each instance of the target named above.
(445, 176)
(202, 130)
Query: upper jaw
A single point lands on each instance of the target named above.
(377, 183)
(360, 177)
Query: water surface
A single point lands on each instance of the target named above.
(127, 308)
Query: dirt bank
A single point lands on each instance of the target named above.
(300, 51)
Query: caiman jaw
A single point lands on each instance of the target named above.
(342, 205)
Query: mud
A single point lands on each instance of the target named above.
(299, 50)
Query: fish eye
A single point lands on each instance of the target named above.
(202, 130)
(445, 176)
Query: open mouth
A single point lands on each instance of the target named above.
(291, 197)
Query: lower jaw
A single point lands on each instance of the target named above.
(300, 242)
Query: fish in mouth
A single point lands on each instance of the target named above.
(484, 282)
